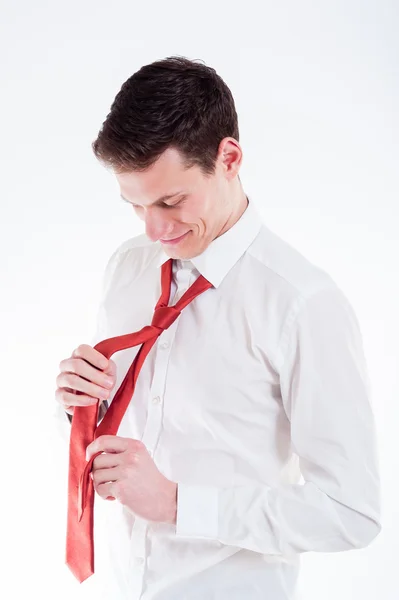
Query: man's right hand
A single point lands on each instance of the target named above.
(84, 378)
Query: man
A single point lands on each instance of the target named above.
(260, 380)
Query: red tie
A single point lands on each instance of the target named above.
(84, 429)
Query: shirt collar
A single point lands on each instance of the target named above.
(222, 253)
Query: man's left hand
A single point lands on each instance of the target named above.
(126, 472)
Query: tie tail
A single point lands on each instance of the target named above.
(84, 483)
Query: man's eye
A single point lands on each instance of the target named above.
(175, 204)
(137, 206)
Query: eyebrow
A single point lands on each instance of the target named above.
(160, 200)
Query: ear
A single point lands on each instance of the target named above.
(230, 157)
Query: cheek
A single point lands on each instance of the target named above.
(139, 213)
(187, 221)
(196, 219)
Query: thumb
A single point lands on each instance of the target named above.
(111, 369)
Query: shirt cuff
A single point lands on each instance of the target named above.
(197, 511)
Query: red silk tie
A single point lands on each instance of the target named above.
(84, 429)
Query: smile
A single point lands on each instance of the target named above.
(175, 240)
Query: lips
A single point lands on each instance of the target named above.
(174, 240)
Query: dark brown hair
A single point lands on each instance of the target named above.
(175, 102)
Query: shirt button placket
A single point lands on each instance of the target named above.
(155, 405)
(138, 558)
(154, 414)
(151, 433)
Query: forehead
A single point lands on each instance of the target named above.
(166, 176)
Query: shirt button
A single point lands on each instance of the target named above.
(139, 561)
(156, 400)
(164, 345)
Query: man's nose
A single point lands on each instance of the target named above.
(157, 225)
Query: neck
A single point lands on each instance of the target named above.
(238, 208)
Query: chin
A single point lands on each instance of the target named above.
(183, 254)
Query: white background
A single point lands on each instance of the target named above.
(317, 95)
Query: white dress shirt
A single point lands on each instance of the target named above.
(256, 401)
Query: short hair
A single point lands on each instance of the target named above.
(171, 103)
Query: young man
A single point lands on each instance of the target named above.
(260, 379)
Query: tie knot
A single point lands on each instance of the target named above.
(164, 316)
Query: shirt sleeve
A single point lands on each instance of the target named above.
(325, 393)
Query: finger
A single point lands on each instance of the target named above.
(68, 399)
(92, 355)
(107, 490)
(110, 371)
(107, 461)
(111, 443)
(78, 384)
(88, 372)
(101, 476)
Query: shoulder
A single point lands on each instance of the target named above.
(296, 286)
(308, 299)
(289, 271)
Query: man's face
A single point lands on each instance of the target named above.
(186, 223)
